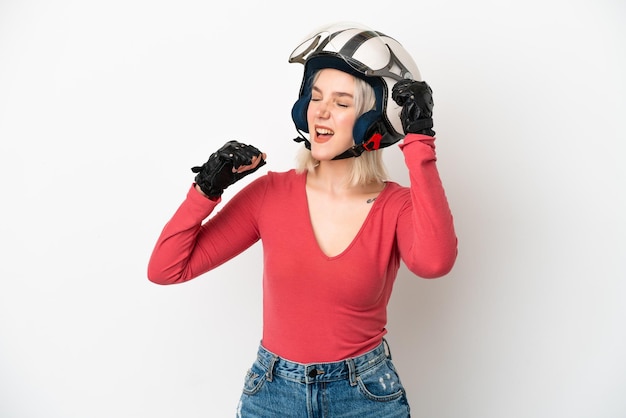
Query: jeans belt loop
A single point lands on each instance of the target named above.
(270, 368)
(387, 349)
(351, 372)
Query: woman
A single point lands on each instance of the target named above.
(334, 230)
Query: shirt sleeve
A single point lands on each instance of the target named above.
(187, 247)
(425, 229)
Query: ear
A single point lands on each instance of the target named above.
(298, 113)
(363, 125)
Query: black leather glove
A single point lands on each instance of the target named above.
(416, 99)
(217, 173)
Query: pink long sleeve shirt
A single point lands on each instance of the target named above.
(317, 308)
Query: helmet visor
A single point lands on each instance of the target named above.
(363, 49)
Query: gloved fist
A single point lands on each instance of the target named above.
(220, 171)
(416, 99)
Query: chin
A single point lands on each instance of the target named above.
(322, 153)
(321, 156)
(325, 154)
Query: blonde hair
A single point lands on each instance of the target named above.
(369, 166)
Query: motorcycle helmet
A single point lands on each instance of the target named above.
(372, 56)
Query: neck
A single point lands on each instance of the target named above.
(333, 175)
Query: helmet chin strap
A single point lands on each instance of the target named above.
(301, 138)
(372, 144)
(353, 152)
(375, 141)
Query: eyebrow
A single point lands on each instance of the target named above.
(338, 93)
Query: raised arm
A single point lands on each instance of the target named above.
(426, 236)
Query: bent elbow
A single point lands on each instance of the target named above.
(433, 268)
(160, 277)
(157, 279)
(434, 272)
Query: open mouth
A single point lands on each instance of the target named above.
(323, 134)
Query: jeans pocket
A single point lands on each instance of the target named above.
(381, 383)
(255, 378)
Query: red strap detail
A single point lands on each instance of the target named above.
(373, 143)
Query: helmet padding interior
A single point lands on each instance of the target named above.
(329, 60)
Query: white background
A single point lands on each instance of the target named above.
(105, 105)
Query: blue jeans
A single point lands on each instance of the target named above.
(367, 386)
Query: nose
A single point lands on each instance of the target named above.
(322, 110)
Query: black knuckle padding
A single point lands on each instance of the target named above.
(217, 173)
(416, 100)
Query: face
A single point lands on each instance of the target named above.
(331, 114)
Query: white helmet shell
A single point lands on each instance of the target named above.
(368, 54)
